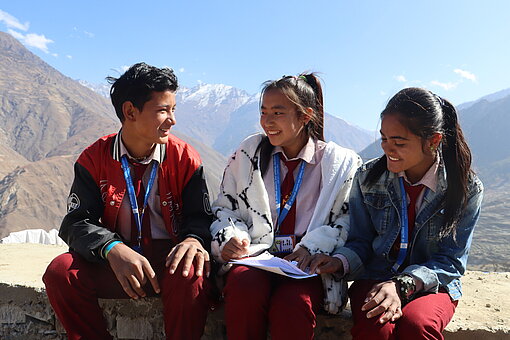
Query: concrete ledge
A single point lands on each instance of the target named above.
(25, 313)
(483, 311)
(143, 319)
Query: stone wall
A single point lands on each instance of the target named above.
(26, 314)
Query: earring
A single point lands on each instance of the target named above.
(432, 148)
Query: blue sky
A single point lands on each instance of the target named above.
(365, 50)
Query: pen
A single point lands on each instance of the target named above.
(233, 225)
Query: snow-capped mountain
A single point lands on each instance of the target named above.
(205, 110)
(102, 89)
(222, 116)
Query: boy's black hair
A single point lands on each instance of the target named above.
(137, 84)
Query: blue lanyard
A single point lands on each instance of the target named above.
(276, 169)
(404, 228)
(132, 197)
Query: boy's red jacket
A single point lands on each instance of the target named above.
(99, 187)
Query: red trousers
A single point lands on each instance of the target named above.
(423, 318)
(255, 298)
(74, 285)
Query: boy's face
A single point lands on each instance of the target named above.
(152, 124)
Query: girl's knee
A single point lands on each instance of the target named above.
(417, 326)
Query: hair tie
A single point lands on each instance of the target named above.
(439, 99)
(310, 80)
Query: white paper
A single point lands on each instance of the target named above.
(268, 262)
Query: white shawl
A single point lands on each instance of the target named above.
(244, 199)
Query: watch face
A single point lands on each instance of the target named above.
(406, 287)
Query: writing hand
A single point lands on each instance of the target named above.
(235, 249)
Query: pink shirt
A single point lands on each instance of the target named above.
(310, 189)
(124, 219)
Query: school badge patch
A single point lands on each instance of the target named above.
(207, 204)
(73, 202)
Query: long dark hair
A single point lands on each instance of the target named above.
(303, 91)
(424, 114)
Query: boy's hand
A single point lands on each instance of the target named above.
(187, 251)
(235, 249)
(132, 270)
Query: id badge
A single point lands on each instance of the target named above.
(283, 245)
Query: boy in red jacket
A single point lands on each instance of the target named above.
(138, 217)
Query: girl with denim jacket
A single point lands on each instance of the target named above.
(413, 212)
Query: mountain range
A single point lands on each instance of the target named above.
(222, 116)
(48, 119)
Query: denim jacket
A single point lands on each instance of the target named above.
(375, 225)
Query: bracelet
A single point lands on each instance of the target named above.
(109, 247)
(405, 287)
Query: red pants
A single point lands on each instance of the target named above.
(254, 298)
(74, 285)
(423, 318)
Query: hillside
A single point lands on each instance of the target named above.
(43, 112)
(47, 120)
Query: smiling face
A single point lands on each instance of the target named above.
(142, 129)
(406, 151)
(282, 124)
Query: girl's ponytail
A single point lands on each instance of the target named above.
(315, 127)
(457, 159)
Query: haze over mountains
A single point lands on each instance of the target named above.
(48, 118)
(222, 116)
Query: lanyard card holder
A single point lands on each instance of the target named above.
(283, 245)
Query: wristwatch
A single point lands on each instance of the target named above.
(405, 287)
